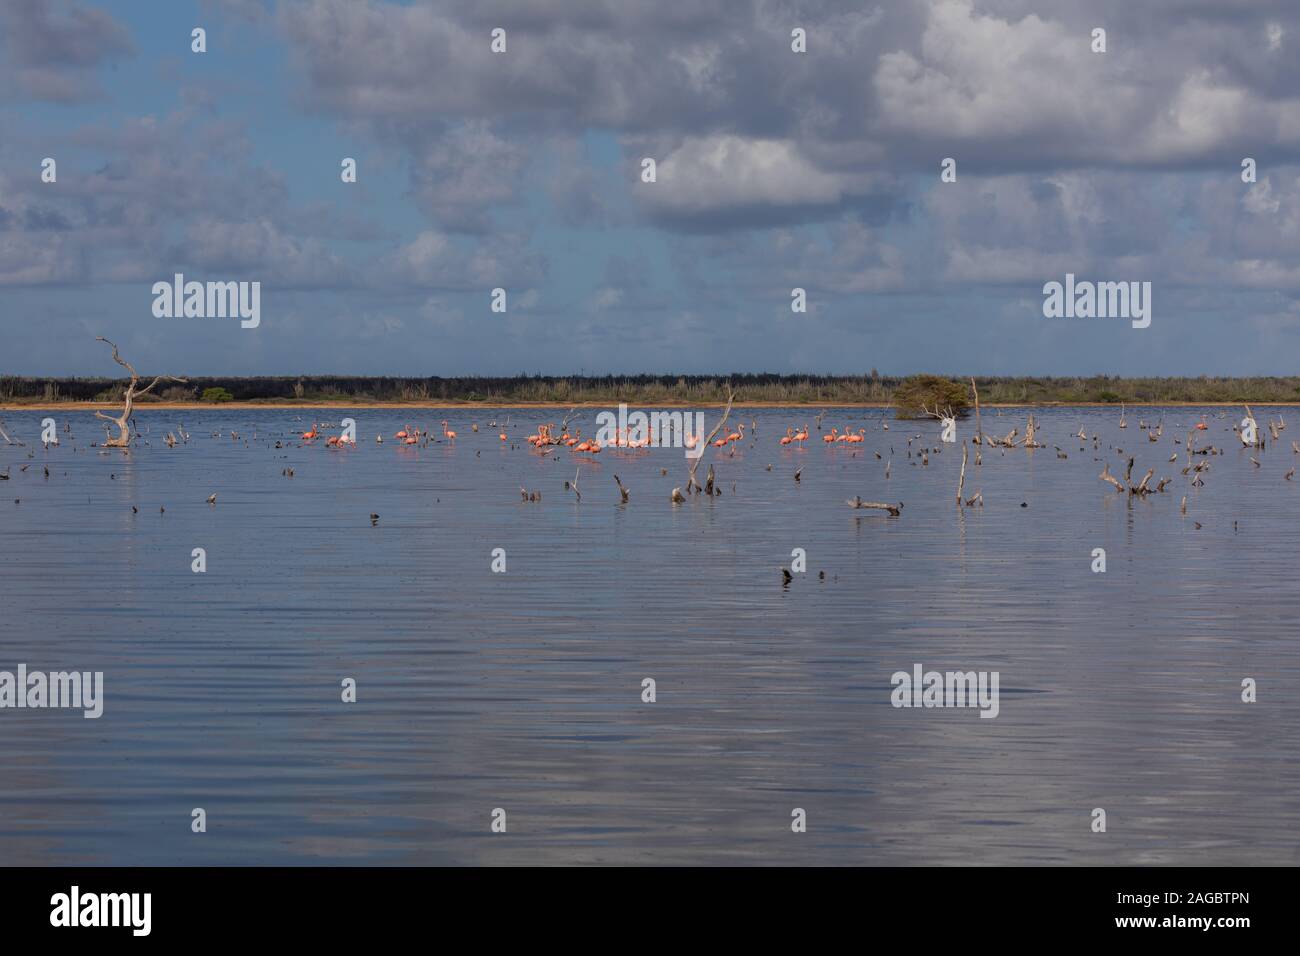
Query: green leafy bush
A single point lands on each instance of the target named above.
(929, 391)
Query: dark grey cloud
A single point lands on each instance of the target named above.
(683, 85)
(775, 169)
(460, 175)
(52, 49)
(755, 135)
(125, 216)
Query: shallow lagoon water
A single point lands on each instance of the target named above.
(522, 690)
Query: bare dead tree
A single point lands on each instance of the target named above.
(133, 391)
(1030, 429)
(942, 414)
(1141, 489)
(1259, 441)
(979, 429)
(569, 416)
(691, 483)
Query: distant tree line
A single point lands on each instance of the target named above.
(666, 389)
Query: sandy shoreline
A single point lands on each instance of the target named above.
(141, 408)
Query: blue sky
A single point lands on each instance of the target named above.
(776, 169)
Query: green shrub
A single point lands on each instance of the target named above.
(929, 391)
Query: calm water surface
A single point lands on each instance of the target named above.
(523, 690)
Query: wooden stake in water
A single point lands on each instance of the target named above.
(961, 479)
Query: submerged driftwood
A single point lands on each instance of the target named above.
(1141, 489)
(857, 502)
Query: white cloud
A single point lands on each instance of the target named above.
(727, 172)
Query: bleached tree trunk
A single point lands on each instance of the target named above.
(132, 393)
(961, 479)
(691, 483)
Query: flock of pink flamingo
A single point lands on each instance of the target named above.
(848, 436)
(407, 436)
(333, 441)
(622, 439)
(579, 445)
(832, 437)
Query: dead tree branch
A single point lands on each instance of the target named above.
(1107, 476)
(691, 483)
(894, 510)
(132, 393)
